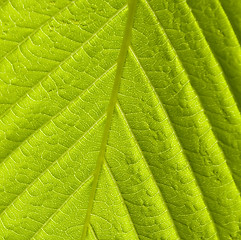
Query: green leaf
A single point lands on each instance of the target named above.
(157, 157)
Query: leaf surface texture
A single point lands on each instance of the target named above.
(172, 159)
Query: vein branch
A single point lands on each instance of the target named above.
(110, 110)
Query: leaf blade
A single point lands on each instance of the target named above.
(172, 167)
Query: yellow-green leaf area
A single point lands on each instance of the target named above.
(120, 119)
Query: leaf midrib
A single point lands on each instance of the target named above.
(110, 110)
(52, 71)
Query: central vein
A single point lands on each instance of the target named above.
(110, 109)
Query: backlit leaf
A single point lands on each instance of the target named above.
(164, 164)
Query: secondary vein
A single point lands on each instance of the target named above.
(110, 110)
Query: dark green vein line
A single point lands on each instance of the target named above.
(147, 165)
(224, 154)
(230, 21)
(176, 137)
(230, 88)
(93, 232)
(113, 99)
(211, 213)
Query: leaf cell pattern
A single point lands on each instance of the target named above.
(172, 166)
